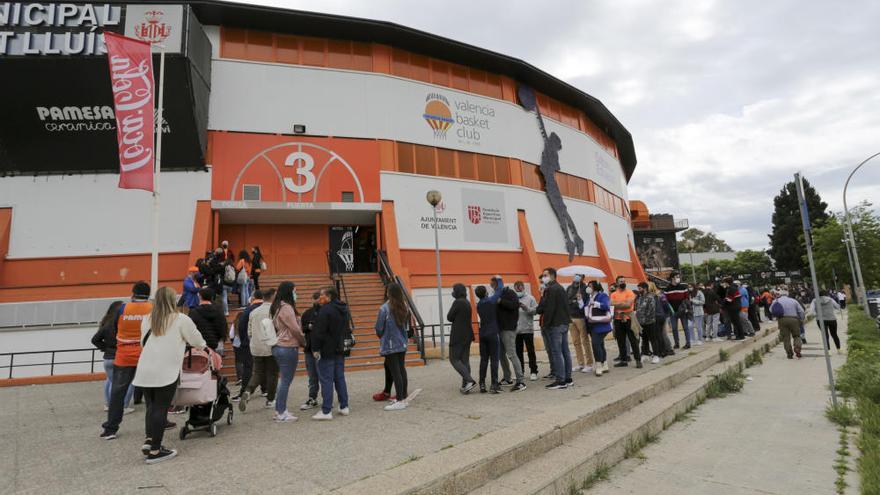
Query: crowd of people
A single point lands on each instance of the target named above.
(143, 340)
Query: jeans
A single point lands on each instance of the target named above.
(331, 372)
(673, 320)
(265, 375)
(108, 384)
(287, 359)
(158, 401)
(122, 377)
(244, 293)
(312, 371)
(581, 339)
(224, 297)
(623, 331)
(460, 359)
(527, 340)
(561, 352)
(545, 335)
(508, 346)
(712, 322)
(598, 345)
(244, 364)
(396, 365)
(651, 338)
(698, 328)
(490, 348)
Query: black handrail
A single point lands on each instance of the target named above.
(51, 363)
(387, 275)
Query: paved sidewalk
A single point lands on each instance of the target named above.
(771, 438)
(51, 442)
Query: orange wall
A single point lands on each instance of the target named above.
(288, 249)
(5, 232)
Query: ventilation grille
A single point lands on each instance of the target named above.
(251, 192)
(347, 197)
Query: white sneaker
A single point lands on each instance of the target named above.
(699, 342)
(344, 411)
(605, 367)
(397, 405)
(320, 416)
(655, 360)
(533, 377)
(577, 368)
(128, 410)
(106, 408)
(285, 417)
(587, 369)
(644, 358)
(270, 404)
(598, 370)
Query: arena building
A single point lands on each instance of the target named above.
(313, 136)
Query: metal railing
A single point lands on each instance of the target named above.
(387, 275)
(434, 335)
(52, 363)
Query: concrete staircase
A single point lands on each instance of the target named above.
(364, 293)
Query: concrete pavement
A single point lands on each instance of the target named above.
(771, 438)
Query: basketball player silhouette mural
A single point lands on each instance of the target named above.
(549, 167)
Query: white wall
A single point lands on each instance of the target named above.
(270, 98)
(80, 215)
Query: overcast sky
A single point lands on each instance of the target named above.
(725, 100)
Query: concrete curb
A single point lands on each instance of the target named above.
(472, 464)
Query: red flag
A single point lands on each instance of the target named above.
(131, 77)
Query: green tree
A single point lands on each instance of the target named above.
(703, 242)
(752, 261)
(787, 246)
(829, 251)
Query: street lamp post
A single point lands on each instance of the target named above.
(852, 270)
(434, 198)
(860, 289)
(690, 244)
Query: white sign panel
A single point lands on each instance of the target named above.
(486, 216)
(157, 24)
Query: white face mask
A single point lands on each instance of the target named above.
(589, 291)
(676, 280)
(520, 293)
(577, 279)
(545, 279)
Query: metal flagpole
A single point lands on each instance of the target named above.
(808, 238)
(157, 168)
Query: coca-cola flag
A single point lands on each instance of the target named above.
(131, 77)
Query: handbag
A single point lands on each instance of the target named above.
(263, 265)
(597, 315)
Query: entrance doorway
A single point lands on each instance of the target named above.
(353, 248)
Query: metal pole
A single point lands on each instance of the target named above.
(693, 268)
(157, 168)
(439, 287)
(855, 252)
(852, 270)
(808, 239)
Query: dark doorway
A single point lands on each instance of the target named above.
(353, 249)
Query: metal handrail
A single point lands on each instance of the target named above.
(52, 362)
(388, 276)
(435, 326)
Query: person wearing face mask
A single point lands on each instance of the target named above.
(576, 294)
(508, 316)
(711, 309)
(698, 300)
(732, 308)
(554, 308)
(525, 328)
(598, 312)
(646, 313)
(677, 295)
(623, 301)
(460, 337)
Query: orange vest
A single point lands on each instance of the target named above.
(128, 332)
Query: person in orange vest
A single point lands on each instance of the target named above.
(128, 351)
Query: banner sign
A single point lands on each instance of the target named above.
(131, 76)
(657, 252)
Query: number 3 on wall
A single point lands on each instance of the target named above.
(304, 164)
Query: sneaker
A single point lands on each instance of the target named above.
(587, 369)
(577, 368)
(495, 389)
(321, 416)
(128, 410)
(618, 359)
(798, 354)
(381, 396)
(284, 417)
(555, 385)
(236, 399)
(598, 371)
(344, 411)
(675, 346)
(107, 408)
(264, 394)
(533, 377)
(550, 376)
(397, 405)
(163, 455)
(242, 405)
(270, 404)
(569, 383)
(309, 404)
(644, 358)
(686, 346)
(605, 367)
(469, 387)
(790, 356)
(107, 435)
(655, 360)
(170, 425)
(146, 447)
(508, 382)
(519, 386)
(622, 364)
(639, 364)
(699, 342)
(483, 388)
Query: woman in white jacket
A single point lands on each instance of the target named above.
(165, 334)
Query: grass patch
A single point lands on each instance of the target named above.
(729, 382)
(635, 445)
(842, 414)
(412, 458)
(600, 474)
(447, 447)
(859, 380)
(753, 359)
(723, 355)
(841, 464)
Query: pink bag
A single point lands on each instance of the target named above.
(197, 383)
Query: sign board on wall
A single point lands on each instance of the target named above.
(657, 252)
(486, 216)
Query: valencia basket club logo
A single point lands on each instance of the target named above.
(437, 114)
(153, 29)
(475, 214)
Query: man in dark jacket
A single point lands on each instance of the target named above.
(327, 341)
(244, 361)
(508, 317)
(732, 306)
(677, 294)
(308, 322)
(209, 319)
(554, 309)
(490, 344)
(460, 337)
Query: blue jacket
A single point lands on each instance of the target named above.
(605, 306)
(190, 293)
(392, 337)
(487, 309)
(744, 297)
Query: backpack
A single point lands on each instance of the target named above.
(777, 310)
(267, 334)
(242, 277)
(229, 274)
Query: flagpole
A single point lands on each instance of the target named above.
(157, 168)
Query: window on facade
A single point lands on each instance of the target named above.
(446, 163)
(405, 159)
(425, 162)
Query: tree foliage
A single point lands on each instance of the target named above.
(787, 246)
(748, 261)
(829, 252)
(703, 242)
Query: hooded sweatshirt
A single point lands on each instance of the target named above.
(330, 329)
(461, 316)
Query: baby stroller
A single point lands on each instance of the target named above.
(204, 391)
